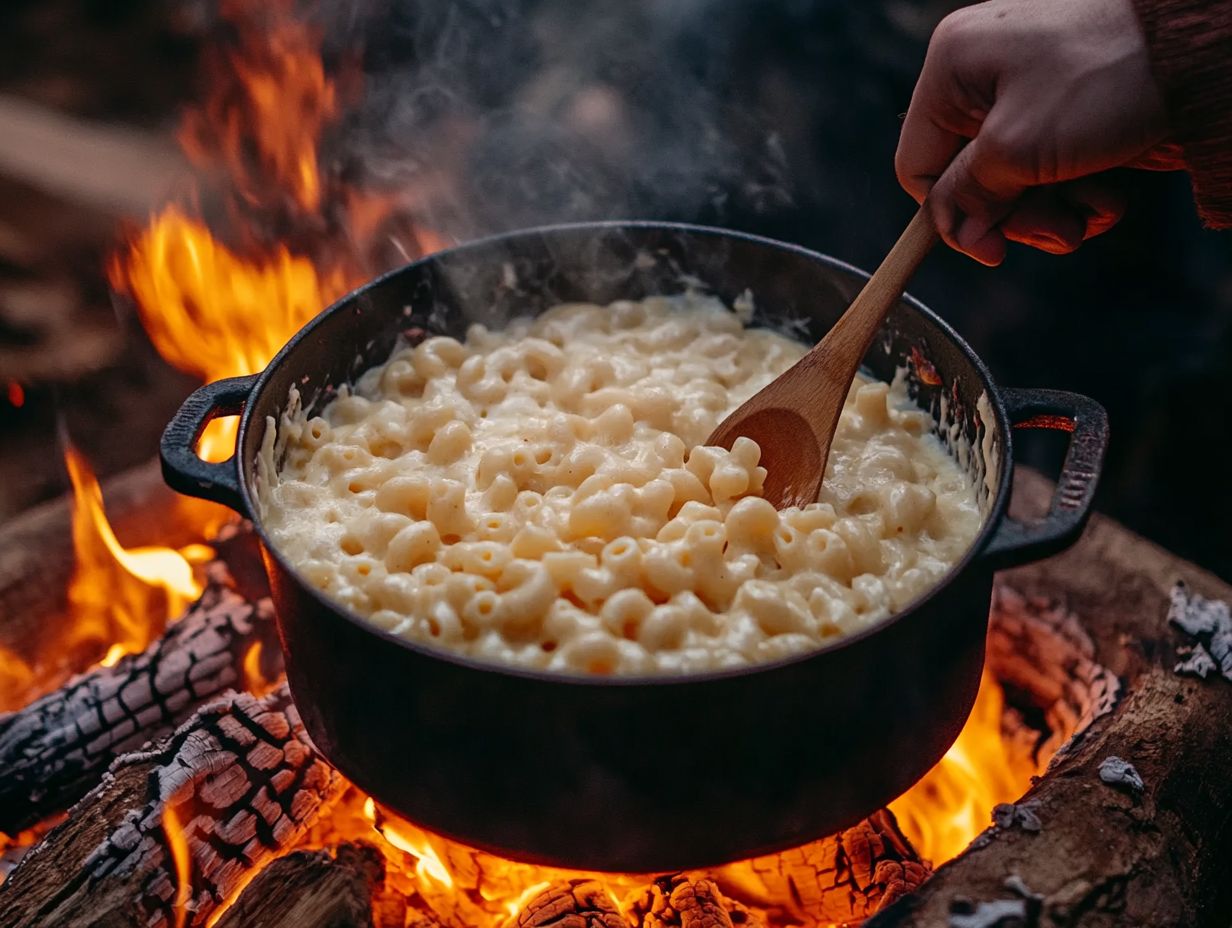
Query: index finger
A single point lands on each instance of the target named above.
(940, 118)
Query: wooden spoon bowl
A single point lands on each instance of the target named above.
(794, 417)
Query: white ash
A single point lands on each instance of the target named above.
(1198, 663)
(1016, 884)
(1209, 623)
(1000, 913)
(983, 839)
(1024, 815)
(1121, 773)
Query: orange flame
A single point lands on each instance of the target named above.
(953, 802)
(268, 104)
(177, 846)
(217, 311)
(212, 313)
(941, 815)
(120, 599)
(467, 886)
(18, 680)
(256, 680)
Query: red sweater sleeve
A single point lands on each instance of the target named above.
(1190, 43)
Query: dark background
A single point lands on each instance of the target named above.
(774, 116)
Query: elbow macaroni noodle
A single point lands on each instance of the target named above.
(540, 497)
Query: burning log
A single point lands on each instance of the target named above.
(681, 901)
(57, 748)
(344, 885)
(177, 829)
(46, 148)
(1100, 851)
(38, 561)
(842, 878)
(36, 547)
(1039, 651)
(578, 903)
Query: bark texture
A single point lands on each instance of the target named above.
(54, 750)
(1106, 853)
(327, 888)
(847, 876)
(178, 828)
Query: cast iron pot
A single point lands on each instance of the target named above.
(641, 774)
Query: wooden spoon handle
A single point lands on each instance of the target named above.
(854, 332)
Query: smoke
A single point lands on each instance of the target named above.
(498, 114)
(472, 117)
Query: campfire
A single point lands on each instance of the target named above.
(156, 769)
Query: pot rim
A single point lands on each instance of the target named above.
(996, 509)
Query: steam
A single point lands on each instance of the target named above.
(494, 114)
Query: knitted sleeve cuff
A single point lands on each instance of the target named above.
(1190, 44)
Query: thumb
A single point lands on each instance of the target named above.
(977, 191)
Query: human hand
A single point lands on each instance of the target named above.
(1049, 93)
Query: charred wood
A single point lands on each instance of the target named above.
(1045, 661)
(57, 748)
(842, 878)
(343, 885)
(578, 903)
(37, 560)
(681, 901)
(1106, 853)
(180, 827)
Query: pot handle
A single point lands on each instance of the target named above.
(183, 469)
(1015, 541)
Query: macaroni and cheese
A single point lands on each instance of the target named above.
(540, 496)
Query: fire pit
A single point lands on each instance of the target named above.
(154, 771)
(229, 817)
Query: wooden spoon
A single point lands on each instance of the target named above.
(794, 417)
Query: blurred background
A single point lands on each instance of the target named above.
(337, 139)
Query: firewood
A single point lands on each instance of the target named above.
(36, 552)
(239, 783)
(580, 903)
(343, 885)
(57, 748)
(845, 877)
(130, 169)
(1039, 652)
(680, 901)
(1105, 852)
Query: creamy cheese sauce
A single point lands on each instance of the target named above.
(541, 497)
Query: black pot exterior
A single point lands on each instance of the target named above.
(636, 774)
(631, 777)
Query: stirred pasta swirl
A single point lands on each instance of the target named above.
(540, 496)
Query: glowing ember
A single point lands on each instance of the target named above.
(16, 394)
(465, 886)
(951, 804)
(217, 311)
